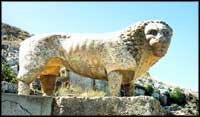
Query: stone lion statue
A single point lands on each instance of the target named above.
(118, 57)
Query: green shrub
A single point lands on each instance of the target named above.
(176, 96)
(149, 89)
(147, 74)
(7, 73)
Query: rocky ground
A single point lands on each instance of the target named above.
(188, 105)
(175, 100)
(12, 33)
(11, 37)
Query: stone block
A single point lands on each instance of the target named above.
(140, 105)
(13, 104)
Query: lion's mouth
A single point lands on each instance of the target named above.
(160, 49)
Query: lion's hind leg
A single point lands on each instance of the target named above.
(48, 75)
(23, 88)
(34, 54)
(24, 79)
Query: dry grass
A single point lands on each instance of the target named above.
(78, 91)
(14, 43)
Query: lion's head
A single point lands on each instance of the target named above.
(158, 34)
(153, 35)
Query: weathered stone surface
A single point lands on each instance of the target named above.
(13, 33)
(162, 93)
(139, 91)
(11, 37)
(7, 87)
(12, 104)
(10, 52)
(140, 105)
(119, 57)
(87, 83)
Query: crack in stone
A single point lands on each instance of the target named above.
(19, 105)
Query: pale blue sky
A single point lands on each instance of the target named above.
(178, 67)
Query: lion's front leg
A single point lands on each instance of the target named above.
(114, 83)
(24, 80)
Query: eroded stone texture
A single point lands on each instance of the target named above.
(127, 54)
(140, 105)
(25, 105)
(8, 87)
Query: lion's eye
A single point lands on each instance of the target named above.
(153, 32)
(166, 33)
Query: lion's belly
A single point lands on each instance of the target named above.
(87, 64)
(84, 57)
